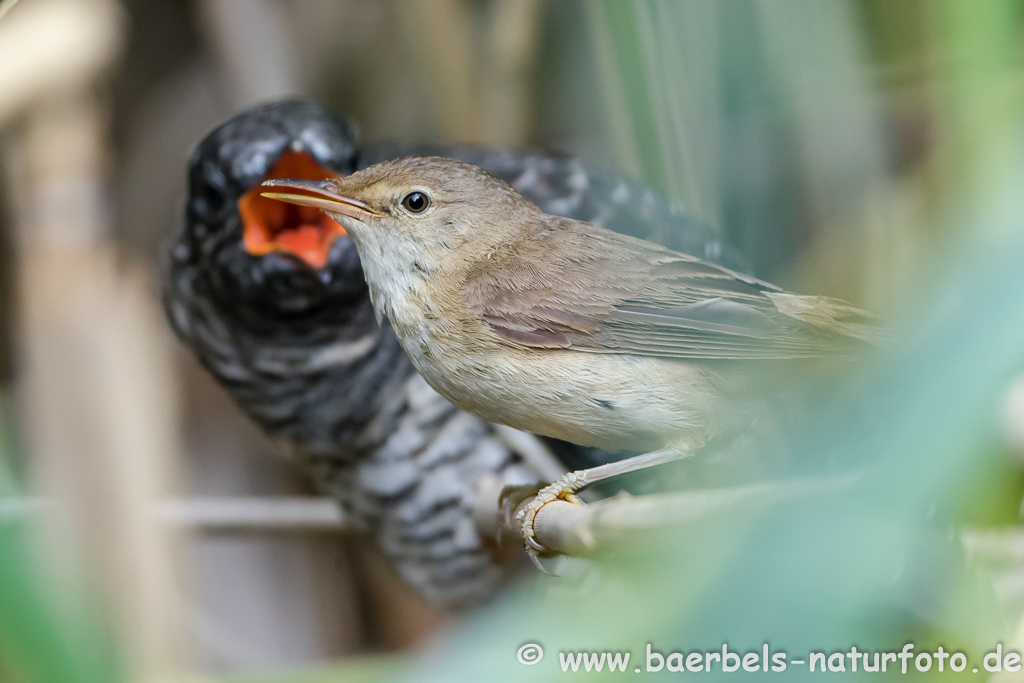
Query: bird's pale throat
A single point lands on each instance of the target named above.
(301, 231)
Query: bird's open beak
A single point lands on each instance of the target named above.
(321, 194)
(305, 233)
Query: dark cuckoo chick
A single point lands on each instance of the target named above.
(271, 298)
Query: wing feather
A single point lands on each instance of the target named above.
(569, 285)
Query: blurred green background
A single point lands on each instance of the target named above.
(869, 149)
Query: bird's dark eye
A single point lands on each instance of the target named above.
(415, 202)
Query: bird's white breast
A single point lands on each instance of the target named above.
(616, 402)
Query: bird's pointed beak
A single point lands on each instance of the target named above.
(321, 194)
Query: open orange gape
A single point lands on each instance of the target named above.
(304, 232)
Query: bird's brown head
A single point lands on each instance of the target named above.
(413, 212)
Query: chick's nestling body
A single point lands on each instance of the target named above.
(554, 325)
(273, 301)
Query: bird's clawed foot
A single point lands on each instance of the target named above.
(565, 488)
(515, 513)
(510, 499)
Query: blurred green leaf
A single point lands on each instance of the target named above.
(42, 641)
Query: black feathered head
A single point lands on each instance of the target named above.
(263, 262)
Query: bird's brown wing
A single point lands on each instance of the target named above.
(571, 285)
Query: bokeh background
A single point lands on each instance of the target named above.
(865, 149)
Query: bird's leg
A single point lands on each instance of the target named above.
(566, 486)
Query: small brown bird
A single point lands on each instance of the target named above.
(561, 327)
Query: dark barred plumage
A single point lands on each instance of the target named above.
(300, 351)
